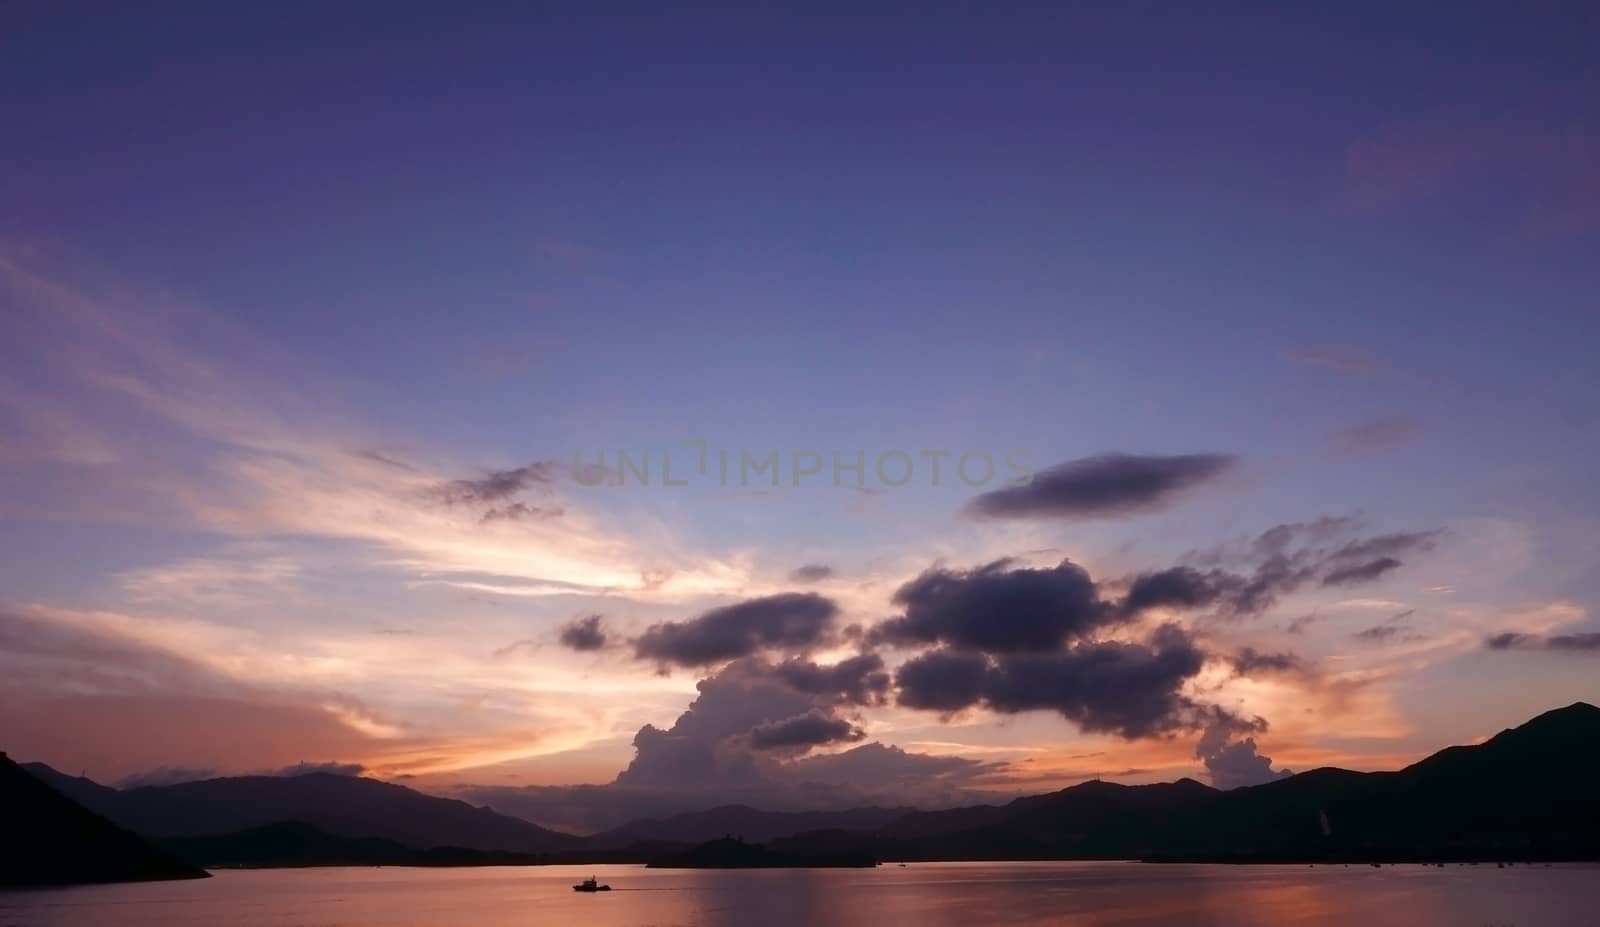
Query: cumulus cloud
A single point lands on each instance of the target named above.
(1230, 753)
(811, 573)
(584, 634)
(996, 608)
(787, 621)
(858, 680)
(812, 729)
(1104, 486)
(1129, 689)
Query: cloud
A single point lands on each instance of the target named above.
(997, 609)
(918, 778)
(1366, 572)
(1106, 486)
(1248, 661)
(1377, 633)
(802, 732)
(1132, 690)
(521, 511)
(858, 680)
(316, 769)
(584, 634)
(810, 573)
(1178, 587)
(1231, 760)
(1277, 562)
(495, 486)
(787, 621)
(1574, 642)
(1567, 643)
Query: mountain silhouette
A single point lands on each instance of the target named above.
(346, 806)
(47, 839)
(747, 822)
(1527, 793)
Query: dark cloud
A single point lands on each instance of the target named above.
(942, 681)
(996, 609)
(1393, 629)
(1510, 640)
(495, 486)
(1568, 643)
(1248, 661)
(1230, 753)
(1575, 642)
(802, 732)
(1385, 545)
(325, 769)
(1246, 580)
(1378, 633)
(1178, 587)
(788, 621)
(1299, 625)
(1361, 572)
(1109, 485)
(521, 511)
(584, 634)
(858, 680)
(810, 573)
(1128, 689)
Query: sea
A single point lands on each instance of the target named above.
(1076, 894)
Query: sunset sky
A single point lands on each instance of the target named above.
(316, 324)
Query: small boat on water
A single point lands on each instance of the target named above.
(590, 885)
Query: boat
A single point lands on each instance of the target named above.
(590, 885)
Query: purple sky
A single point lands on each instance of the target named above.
(281, 288)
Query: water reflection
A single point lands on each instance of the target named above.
(927, 895)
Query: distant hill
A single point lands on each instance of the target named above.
(347, 806)
(732, 853)
(293, 843)
(747, 823)
(48, 839)
(1528, 793)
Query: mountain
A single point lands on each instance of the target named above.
(48, 839)
(346, 806)
(731, 853)
(746, 823)
(1527, 793)
(293, 843)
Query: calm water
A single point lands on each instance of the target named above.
(926, 895)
